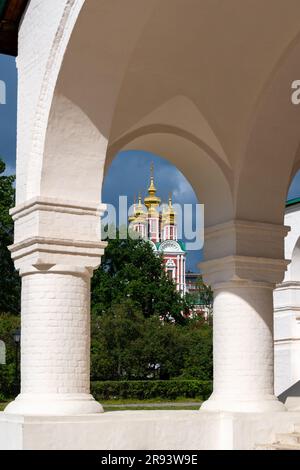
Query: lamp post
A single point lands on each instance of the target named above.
(17, 339)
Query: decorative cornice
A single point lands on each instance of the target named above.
(166, 244)
(287, 308)
(56, 269)
(245, 225)
(245, 238)
(243, 268)
(56, 205)
(43, 251)
(218, 263)
(66, 245)
(286, 340)
(288, 285)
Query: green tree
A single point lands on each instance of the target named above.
(198, 351)
(9, 279)
(131, 270)
(8, 379)
(160, 350)
(114, 335)
(201, 297)
(126, 345)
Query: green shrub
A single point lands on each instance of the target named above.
(151, 389)
(9, 383)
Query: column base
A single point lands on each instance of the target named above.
(260, 405)
(53, 405)
(145, 430)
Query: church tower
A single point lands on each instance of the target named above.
(168, 224)
(160, 228)
(152, 202)
(139, 219)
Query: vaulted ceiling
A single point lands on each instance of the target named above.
(11, 12)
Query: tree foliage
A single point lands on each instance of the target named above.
(128, 346)
(9, 279)
(152, 389)
(8, 379)
(131, 270)
(139, 330)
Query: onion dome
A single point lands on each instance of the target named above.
(139, 214)
(152, 202)
(169, 214)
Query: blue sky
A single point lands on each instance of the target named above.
(129, 171)
(8, 112)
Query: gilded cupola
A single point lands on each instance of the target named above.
(152, 202)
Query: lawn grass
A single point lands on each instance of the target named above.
(149, 408)
(129, 405)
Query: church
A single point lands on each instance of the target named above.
(157, 223)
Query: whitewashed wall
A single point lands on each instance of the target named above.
(287, 309)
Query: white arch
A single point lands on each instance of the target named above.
(115, 75)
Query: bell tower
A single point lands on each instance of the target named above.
(152, 202)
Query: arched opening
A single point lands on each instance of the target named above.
(150, 92)
(167, 338)
(129, 175)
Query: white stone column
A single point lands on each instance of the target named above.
(243, 314)
(55, 307)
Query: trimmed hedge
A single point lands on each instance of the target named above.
(148, 389)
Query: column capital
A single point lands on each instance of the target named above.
(42, 254)
(50, 231)
(245, 252)
(244, 270)
(245, 238)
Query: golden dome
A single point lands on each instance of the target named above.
(139, 214)
(169, 214)
(152, 201)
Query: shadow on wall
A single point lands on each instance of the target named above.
(293, 391)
